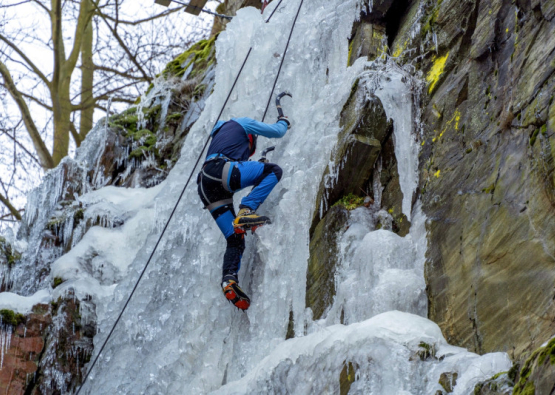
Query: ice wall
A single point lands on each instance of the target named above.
(180, 327)
(179, 334)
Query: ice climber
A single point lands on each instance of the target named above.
(227, 170)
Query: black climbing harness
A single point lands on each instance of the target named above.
(223, 180)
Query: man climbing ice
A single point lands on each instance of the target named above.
(227, 170)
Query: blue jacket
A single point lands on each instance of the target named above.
(231, 138)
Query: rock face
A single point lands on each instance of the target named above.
(487, 171)
(20, 359)
(487, 161)
(486, 166)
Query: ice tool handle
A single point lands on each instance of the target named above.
(278, 103)
(263, 156)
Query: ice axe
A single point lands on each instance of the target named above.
(278, 103)
(263, 156)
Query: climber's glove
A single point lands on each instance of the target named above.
(284, 118)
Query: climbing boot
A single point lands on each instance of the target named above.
(235, 294)
(248, 219)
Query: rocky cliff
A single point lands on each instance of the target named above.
(486, 164)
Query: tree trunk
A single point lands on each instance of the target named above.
(87, 80)
(62, 112)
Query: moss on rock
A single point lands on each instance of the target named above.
(196, 59)
(57, 281)
(9, 317)
(350, 201)
(8, 255)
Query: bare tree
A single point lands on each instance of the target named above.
(56, 70)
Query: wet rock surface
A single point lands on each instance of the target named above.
(20, 360)
(487, 167)
(320, 283)
(487, 174)
(47, 353)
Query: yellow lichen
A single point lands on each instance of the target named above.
(436, 174)
(454, 119)
(436, 71)
(400, 48)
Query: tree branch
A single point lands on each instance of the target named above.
(15, 5)
(26, 59)
(76, 136)
(40, 103)
(120, 73)
(152, 18)
(21, 146)
(12, 209)
(44, 156)
(42, 6)
(124, 47)
(85, 15)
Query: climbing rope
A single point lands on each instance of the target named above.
(275, 9)
(184, 189)
(282, 58)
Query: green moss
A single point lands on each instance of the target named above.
(126, 120)
(548, 350)
(490, 189)
(145, 136)
(469, 150)
(347, 377)
(199, 90)
(11, 255)
(175, 115)
(513, 371)
(543, 130)
(525, 372)
(57, 281)
(431, 20)
(350, 201)
(11, 318)
(495, 377)
(529, 389)
(534, 136)
(151, 112)
(199, 56)
(350, 52)
(78, 216)
(426, 351)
